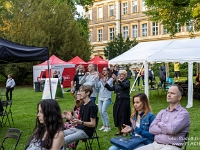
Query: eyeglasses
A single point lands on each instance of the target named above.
(105, 70)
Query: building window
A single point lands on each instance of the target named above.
(100, 13)
(134, 6)
(111, 10)
(125, 8)
(144, 29)
(134, 31)
(154, 28)
(90, 15)
(177, 28)
(143, 5)
(189, 26)
(100, 35)
(90, 36)
(164, 30)
(125, 29)
(112, 31)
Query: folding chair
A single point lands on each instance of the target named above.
(153, 86)
(4, 115)
(185, 141)
(28, 142)
(14, 134)
(89, 141)
(2, 94)
(10, 111)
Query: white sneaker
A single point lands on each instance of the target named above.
(106, 129)
(102, 128)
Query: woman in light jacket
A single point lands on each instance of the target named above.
(104, 97)
(141, 119)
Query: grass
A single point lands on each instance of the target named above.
(24, 110)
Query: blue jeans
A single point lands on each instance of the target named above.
(103, 106)
(113, 147)
(93, 99)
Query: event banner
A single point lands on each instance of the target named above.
(55, 89)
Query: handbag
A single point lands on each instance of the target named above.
(128, 143)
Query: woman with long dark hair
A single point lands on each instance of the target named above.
(48, 132)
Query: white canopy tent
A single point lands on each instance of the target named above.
(181, 50)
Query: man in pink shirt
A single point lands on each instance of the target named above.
(170, 125)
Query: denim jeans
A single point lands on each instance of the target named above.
(93, 99)
(103, 106)
(113, 147)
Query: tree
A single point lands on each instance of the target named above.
(118, 46)
(173, 14)
(49, 24)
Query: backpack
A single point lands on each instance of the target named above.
(162, 76)
(150, 73)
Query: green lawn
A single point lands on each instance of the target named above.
(24, 110)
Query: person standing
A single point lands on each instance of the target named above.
(80, 72)
(60, 77)
(55, 75)
(121, 108)
(104, 97)
(142, 75)
(89, 79)
(171, 124)
(10, 84)
(176, 71)
(137, 76)
(151, 76)
(162, 76)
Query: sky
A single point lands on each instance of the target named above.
(80, 9)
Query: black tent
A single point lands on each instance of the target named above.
(14, 52)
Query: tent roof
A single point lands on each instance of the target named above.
(77, 60)
(53, 60)
(14, 52)
(98, 61)
(181, 50)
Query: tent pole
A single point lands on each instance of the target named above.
(136, 79)
(190, 85)
(49, 79)
(146, 78)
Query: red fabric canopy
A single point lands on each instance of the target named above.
(99, 62)
(53, 60)
(77, 61)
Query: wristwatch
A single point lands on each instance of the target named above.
(82, 122)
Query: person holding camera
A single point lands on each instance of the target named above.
(10, 83)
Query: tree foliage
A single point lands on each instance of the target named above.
(118, 46)
(174, 13)
(46, 23)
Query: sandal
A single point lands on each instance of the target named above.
(119, 133)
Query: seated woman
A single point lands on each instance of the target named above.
(48, 132)
(141, 119)
(198, 79)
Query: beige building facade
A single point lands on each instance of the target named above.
(111, 17)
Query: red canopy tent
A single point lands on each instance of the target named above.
(99, 62)
(66, 69)
(78, 61)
